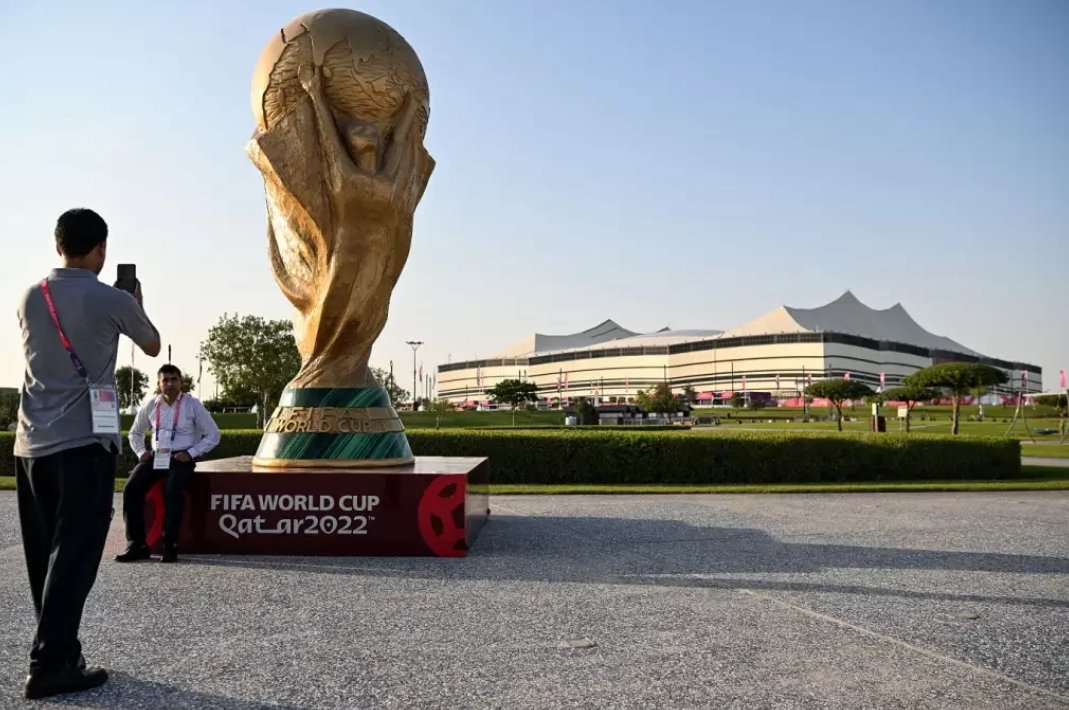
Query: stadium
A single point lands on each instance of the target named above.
(772, 357)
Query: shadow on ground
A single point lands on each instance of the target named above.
(125, 692)
(668, 553)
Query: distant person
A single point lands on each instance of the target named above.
(182, 431)
(68, 441)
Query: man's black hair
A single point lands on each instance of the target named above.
(79, 231)
(169, 370)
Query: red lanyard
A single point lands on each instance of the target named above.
(75, 360)
(174, 420)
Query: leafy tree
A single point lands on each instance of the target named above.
(958, 379)
(397, 392)
(9, 409)
(514, 393)
(838, 391)
(660, 400)
(252, 358)
(756, 404)
(439, 408)
(910, 395)
(130, 396)
(586, 411)
(689, 395)
(1059, 402)
(738, 400)
(187, 384)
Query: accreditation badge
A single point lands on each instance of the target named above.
(161, 461)
(104, 403)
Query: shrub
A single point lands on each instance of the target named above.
(742, 457)
(230, 420)
(9, 409)
(597, 456)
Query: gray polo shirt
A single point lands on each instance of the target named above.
(54, 412)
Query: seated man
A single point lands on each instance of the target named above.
(182, 431)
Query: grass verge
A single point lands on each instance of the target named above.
(1035, 478)
(1046, 451)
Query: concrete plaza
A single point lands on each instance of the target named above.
(805, 601)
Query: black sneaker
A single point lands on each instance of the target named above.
(44, 684)
(170, 553)
(134, 553)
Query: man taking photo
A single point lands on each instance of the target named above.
(182, 431)
(68, 441)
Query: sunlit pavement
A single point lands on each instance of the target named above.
(793, 601)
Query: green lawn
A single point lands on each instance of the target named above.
(990, 412)
(1036, 478)
(1061, 484)
(988, 427)
(503, 418)
(496, 418)
(1045, 451)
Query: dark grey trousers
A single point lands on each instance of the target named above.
(141, 481)
(65, 509)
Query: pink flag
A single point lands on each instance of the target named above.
(883, 380)
(421, 371)
(565, 380)
(1061, 374)
(846, 376)
(777, 381)
(627, 383)
(810, 379)
(1024, 377)
(744, 383)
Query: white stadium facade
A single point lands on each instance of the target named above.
(772, 357)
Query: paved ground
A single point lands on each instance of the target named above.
(837, 601)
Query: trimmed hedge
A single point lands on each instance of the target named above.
(742, 457)
(599, 456)
(228, 420)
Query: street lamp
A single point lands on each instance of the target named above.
(414, 344)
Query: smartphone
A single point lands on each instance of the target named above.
(127, 280)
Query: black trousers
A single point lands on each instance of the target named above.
(174, 500)
(65, 509)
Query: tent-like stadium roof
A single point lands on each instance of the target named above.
(847, 314)
(538, 343)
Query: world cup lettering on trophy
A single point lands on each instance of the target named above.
(244, 515)
(342, 104)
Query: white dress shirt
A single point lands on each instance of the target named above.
(196, 432)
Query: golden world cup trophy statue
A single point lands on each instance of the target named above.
(341, 104)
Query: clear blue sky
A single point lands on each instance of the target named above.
(691, 165)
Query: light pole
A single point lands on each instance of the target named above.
(414, 344)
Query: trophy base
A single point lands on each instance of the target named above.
(434, 507)
(334, 427)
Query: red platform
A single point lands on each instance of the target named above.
(433, 507)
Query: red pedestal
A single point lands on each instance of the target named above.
(434, 507)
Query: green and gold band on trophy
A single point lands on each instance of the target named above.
(334, 427)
